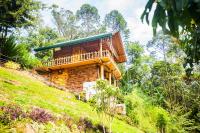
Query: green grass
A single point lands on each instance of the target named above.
(29, 92)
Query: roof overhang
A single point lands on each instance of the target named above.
(118, 45)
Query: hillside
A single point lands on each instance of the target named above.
(21, 89)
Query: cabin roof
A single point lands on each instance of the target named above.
(76, 41)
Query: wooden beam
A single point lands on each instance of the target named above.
(101, 71)
(110, 78)
(112, 48)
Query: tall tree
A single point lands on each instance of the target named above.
(115, 21)
(66, 22)
(159, 46)
(136, 70)
(162, 47)
(16, 14)
(181, 19)
(89, 17)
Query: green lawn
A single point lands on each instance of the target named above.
(28, 92)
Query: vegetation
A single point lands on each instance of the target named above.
(166, 83)
(160, 85)
(105, 102)
(16, 87)
(174, 22)
(16, 14)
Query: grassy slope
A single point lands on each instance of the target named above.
(29, 92)
(144, 112)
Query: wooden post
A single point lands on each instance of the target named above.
(101, 48)
(110, 78)
(115, 82)
(102, 71)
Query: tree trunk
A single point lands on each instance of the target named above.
(104, 131)
(110, 128)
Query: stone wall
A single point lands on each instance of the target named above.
(79, 75)
(73, 78)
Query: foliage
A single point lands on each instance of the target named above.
(40, 115)
(89, 17)
(161, 123)
(32, 92)
(50, 128)
(171, 16)
(137, 69)
(168, 89)
(16, 14)
(26, 59)
(142, 113)
(105, 101)
(12, 65)
(18, 53)
(39, 37)
(10, 112)
(86, 21)
(66, 22)
(9, 49)
(115, 21)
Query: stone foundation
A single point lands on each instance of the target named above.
(73, 78)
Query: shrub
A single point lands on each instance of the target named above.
(161, 123)
(12, 65)
(84, 124)
(68, 121)
(125, 118)
(11, 112)
(99, 128)
(40, 115)
(49, 128)
(129, 105)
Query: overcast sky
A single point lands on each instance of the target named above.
(130, 9)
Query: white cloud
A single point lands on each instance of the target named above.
(119, 4)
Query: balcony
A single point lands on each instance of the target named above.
(82, 59)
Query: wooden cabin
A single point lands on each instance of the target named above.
(84, 60)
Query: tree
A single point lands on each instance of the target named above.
(160, 45)
(89, 18)
(114, 21)
(16, 14)
(66, 23)
(41, 36)
(181, 19)
(105, 102)
(137, 68)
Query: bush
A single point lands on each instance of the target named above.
(84, 124)
(49, 128)
(68, 121)
(161, 123)
(12, 65)
(11, 112)
(40, 115)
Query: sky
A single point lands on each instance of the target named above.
(130, 9)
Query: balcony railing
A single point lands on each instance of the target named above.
(77, 58)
